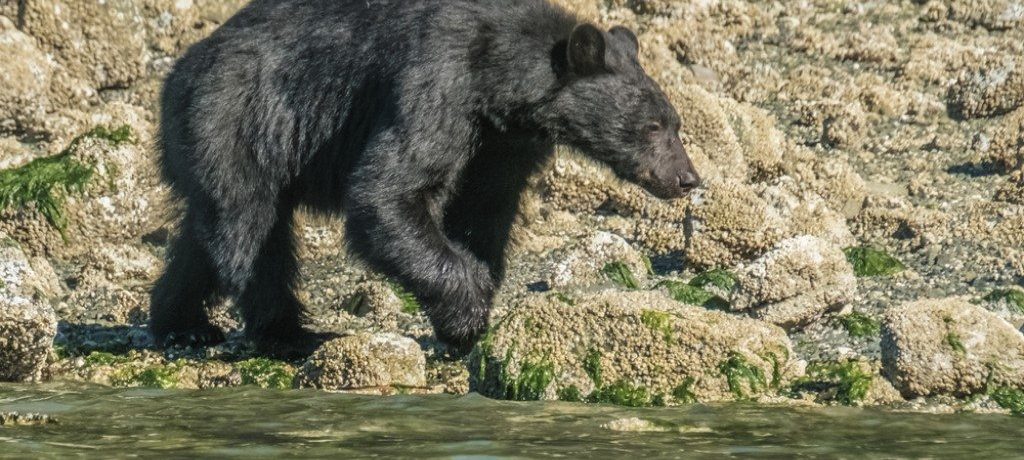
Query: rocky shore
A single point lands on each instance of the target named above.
(859, 239)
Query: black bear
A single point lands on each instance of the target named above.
(419, 120)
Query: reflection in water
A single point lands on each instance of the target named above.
(259, 423)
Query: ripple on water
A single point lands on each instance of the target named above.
(250, 422)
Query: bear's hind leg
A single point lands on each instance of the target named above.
(178, 304)
(273, 314)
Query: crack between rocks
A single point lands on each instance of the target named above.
(21, 14)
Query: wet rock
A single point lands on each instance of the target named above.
(24, 79)
(380, 303)
(24, 278)
(990, 14)
(579, 185)
(795, 283)
(729, 222)
(635, 348)
(365, 361)
(993, 88)
(600, 259)
(173, 25)
(1006, 147)
(25, 419)
(27, 324)
(950, 347)
(120, 201)
(101, 42)
(845, 128)
(884, 218)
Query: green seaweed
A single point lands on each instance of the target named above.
(683, 393)
(658, 321)
(532, 381)
(266, 373)
(45, 183)
(117, 136)
(694, 295)
(570, 393)
(620, 274)
(720, 278)
(954, 342)
(861, 325)
(848, 380)
(1013, 297)
(621, 393)
(154, 376)
(410, 304)
(162, 377)
(647, 264)
(102, 358)
(1009, 398)
(564, 298)
(869, 262)
(592, 365)
(744, 378)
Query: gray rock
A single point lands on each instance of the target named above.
(795, 283)
(632, 348)
(365, 361)
(950, 347)
(27, 330)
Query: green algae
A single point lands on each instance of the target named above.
(847, 381)
(954, 342)
(162, 377)
(659, 322)
(410, 304)
(1013, 297)
(102, 358)
(266, 373)
(564, 298)
(861, 325)
(622, 393)
(154, 376)
(1009, 398)
(744, 378)
(570, 393)
(683, 393)
(620, 274)
(648, 265)
(720, 278)
(696, 292)
(870, 262)
(45, 183)
(532, 381)
(592, 366)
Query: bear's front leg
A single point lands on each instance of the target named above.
(400, 238)
(394, 223)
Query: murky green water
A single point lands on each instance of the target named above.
(105, 423)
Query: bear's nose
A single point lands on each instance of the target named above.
(688, 181)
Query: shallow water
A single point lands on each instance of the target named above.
(101, 423)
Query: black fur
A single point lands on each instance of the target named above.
(420, 120)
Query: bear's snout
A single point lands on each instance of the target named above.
(671, 179)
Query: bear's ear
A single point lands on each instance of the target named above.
(587, 50)
(624, 32)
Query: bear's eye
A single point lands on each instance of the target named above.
(653, 127)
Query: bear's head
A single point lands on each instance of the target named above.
(610, 109)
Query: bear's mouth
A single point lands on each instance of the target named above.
(676, 186)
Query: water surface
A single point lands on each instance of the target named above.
(97, 422)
